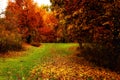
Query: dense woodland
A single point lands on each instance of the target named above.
(93, 22)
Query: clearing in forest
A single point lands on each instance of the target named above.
(52, 61)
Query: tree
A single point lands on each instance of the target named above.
(10, 39)
(29, 18)
(71, 18)
(93, 21)
(86, 16)
(48, 32)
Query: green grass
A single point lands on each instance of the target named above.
(18, 68)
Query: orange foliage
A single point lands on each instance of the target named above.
(30, 19)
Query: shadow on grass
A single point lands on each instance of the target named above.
(102, 57)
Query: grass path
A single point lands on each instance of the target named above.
(52, 61)
(66, 66)
(17, 68)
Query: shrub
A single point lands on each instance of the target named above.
(10, 41)
(102, 56)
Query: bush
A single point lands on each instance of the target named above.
(10, 41)
(102, 56)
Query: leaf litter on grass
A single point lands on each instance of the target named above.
(71, 68)
(66, 67)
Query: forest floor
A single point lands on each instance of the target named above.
(51, 61)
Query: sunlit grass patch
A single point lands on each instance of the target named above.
(18, 67)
